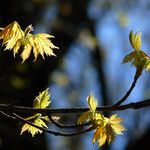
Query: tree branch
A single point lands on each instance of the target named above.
(50, 111)
(130, 89)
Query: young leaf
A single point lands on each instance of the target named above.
(33, 130)
(43, 100)
(40, 44)
(15, 38)
(108, 129)
(91, 102)
(85, 117)
(129, 57)
(89, 115)
(11, 36)
(97, 134)
(114, 122)
(138, 58)
(135, 40)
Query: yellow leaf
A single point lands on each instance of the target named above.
(98, 119)
(102, 140)
(135, 40)
(41, 44)
(129, 57)
(11, 36)
(26, 52)
(115, 119)
(54, 117)
(16, 47)
(24, 128)
(138, 58)
(91, 102)
(117, 128)
(85, 117)
(14, 38)
(43, 100)
(32, 117)
(9, 31)
(114, 122)
(107, 129)
(91, 114)
(97, 134)
(33, 130)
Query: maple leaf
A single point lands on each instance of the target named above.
(138, 57)
(87, 116)
(40, 44)
(36, 120)
(18, 40)
(11, 36)
(108, 130)
(43, 100)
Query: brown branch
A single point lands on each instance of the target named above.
(130, 89)
(56, 133)
(49, 111)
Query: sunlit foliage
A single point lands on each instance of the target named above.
(105, 129)
(19, 41)
(138, 57)
(41, 101)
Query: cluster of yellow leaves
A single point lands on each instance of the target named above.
(41, 101)
(105, 129)
(24, 42)
(89, 115)
(138, 58)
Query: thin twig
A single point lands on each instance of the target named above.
(67, 126)
(129, 91)
(56, 133)
(7, 115)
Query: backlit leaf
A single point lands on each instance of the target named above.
(26, 52)
(85, 117)
(89, 115)
(14, 38)
(138, 58)
(129, 57)
(43, 100)
(97, 134)
(135, 40)
(92, 102)
(33, 130)
(107, 129)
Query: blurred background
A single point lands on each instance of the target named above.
(93, 39)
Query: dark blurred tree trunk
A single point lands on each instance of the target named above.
(140, 143)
